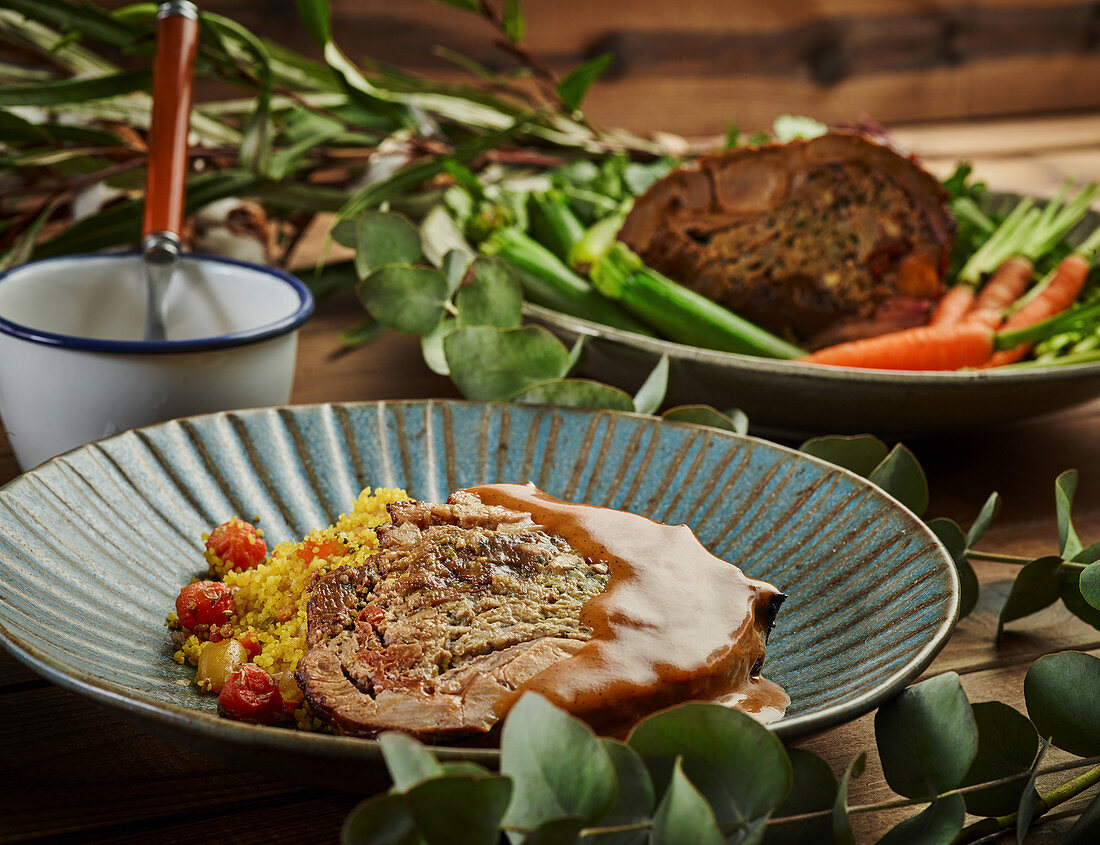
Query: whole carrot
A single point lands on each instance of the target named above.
(923, 348)
(953, 306)
(1005, 287)
(967, 344)
(1058, 294)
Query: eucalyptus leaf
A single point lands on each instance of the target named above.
(384, 819)
(927, 737)
(383, 238)
(1062, 692)
(339, 275)
(841, 826)
(683, 814)
(1025, 814)
(652, 392)
(454, 265)
(576, 393)
(558, 766)
(1090, 554)
(859, 453)
(740, 420)
(1089, 584)
(408, 761)
(1007, 743)
(431, 346)
(576, 352)
(575, 84)
(63, 92)
(813, 789)
(1065, 486)
(1086, 830)
(702, 415)
(460, 809)
(1074, 599)
(902, 477)
(988, 513)
(491, 298)
(365, 331)
(494, 364)
(345, 233)
(938, 824)
(1037, 585)
(634, 801)
(739, 766)
(440, 236)
(953, 540)
(408, 299)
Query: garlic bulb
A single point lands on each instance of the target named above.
(234, 228)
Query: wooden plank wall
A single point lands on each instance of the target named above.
(690, 66)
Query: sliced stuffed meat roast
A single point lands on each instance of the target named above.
(818, 240)
(470, 603)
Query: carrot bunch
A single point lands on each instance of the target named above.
(1000, 322)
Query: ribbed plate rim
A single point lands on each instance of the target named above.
(210, 726)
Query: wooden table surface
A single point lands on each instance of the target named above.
(71, 773)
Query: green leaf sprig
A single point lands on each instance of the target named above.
(703, 773)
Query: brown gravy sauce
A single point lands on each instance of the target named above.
(675, 623)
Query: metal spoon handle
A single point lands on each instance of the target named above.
(173, 74)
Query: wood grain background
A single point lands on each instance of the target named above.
(699, 64)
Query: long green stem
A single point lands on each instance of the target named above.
(1081, 317)
(994, 557)
(963, 790)
(1069, 789)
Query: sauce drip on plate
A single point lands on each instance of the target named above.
(675, 623)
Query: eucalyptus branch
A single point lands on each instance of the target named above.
(1070, 789)
(996, 557)
(963, 790)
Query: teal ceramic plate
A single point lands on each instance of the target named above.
(94, 546)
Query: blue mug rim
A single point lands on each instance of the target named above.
(282, 326)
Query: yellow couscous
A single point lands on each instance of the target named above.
(268, 613)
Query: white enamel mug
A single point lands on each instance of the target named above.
(73, 366)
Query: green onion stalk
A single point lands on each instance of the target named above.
(553, 223)
(681, 314)
(547, 281)
(598, 239)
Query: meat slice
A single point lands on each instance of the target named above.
(505, 589)
(813, 240)
(433, 635)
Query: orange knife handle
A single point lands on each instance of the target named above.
(173, 76)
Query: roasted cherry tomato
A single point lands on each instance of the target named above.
(252, 644)
(204, 603)
(235, 544)
(251, 695)
(327, 548)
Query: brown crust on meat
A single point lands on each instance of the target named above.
(806, 239)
